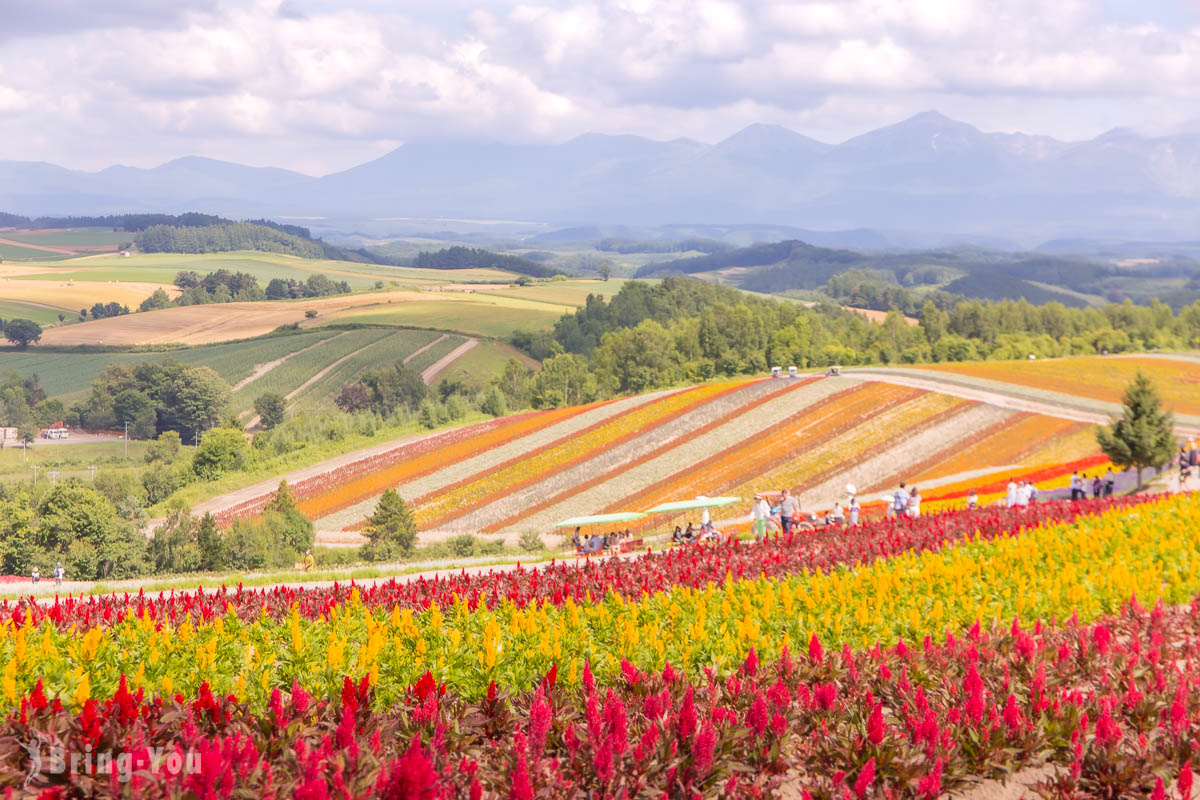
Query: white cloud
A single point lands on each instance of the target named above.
(324, 84)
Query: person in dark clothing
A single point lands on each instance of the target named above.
(1110, 481)
(1097, 487)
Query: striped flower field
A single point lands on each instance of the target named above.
(811, 435)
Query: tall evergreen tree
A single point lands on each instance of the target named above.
(391, 531)
(1144, 436)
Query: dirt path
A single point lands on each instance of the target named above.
(45, 248)
(993, 398)
(418, 352)
(264, 368)
(315, 378)
(432, 371)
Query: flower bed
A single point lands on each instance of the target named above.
(1105, 704)
(699, 607)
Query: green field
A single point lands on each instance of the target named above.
(385, 350)
(69, 460)
(484, 315)
(72, 237)
(70, 374)
(40, 314)
(483, 361)
(163, 267)
(292, 373)
(12, 252)
(568, 295)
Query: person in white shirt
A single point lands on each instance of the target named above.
(759, 513)
(972, 500)
(1011, 499)
(837, 514)
(1022, 495)
(1076, 486)
(899, 500)
(914, 503)
(853, 508)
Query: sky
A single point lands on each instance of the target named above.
(322, 85)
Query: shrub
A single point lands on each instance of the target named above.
(530, 542)
(492, 547)
(462, 546)
(221, 450)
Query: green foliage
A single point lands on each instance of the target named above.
(473, 258)
(391, 531)
(165, 449)
(531, 542)
(382, 391)
(493, 403)
(221, 450)
(225, 236)
(160, 299)
(1144, 436)
(286, 522)
(80, 526)
(154, 398)
(462, 546)
(270, 408)
(22, 332)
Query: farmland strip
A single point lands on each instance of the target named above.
(262, 369)
(469, 494)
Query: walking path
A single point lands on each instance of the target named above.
(436, 367)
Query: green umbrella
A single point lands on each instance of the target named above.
(598, 519)
(699, 502)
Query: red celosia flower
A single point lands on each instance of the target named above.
(866, 778)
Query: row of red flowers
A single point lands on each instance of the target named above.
(1113, 707)
(581, 580)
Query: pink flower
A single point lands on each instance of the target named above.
(815, 653)
(703, 749)
(866, 778)
(875, 729)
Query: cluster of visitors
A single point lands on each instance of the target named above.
(1020, 494)
(59, 574)
(1099, 486)
(598, 542)
(905, 502)
(696, 534)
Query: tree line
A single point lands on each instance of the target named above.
(649, 336)
(225, 237)
(459, 257)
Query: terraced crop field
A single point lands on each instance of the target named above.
(476, 314)
(70, 374)
(812, 435)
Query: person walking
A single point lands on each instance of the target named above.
(1010, 499)
(972, 500)
(789, 509)
(37, 574)
(759, 511)
(58, 574)
(899, 501)
(309, 561)
(852, 510)
(1097, 487)
(914, 503)
(1110, 482)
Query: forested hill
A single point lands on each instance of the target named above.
(224, 237)
(475, 258)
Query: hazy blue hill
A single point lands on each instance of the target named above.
(925, 176)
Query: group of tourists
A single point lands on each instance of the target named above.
(1099, 486)
(598, 542)
(905, 502)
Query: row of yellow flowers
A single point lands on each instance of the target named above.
(1089, 568)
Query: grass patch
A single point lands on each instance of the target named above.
(40, 314)
(15, 252)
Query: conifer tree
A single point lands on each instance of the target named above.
(1144, 436)
(391, 531)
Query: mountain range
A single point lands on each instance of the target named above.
(926, 174)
